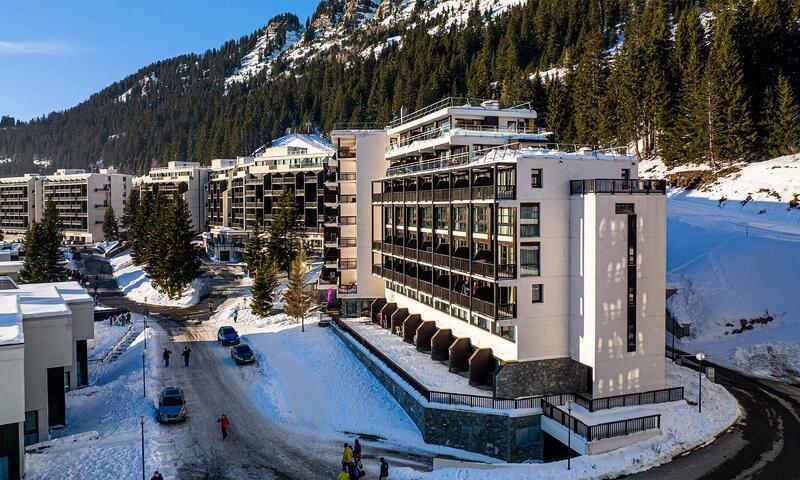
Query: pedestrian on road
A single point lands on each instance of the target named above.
(224, 424)
(384, 470)
(165, 356)
(210, 306)
(235, 315)
(343, 475)
(357, 451)
(186, 352)
(157, 476)
(347, 456)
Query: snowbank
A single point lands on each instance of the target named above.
(105, 337)
(683, 429)
(133, 282)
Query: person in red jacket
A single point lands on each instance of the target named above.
(224, 424)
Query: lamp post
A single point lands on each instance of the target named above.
(569, 434)
(146, 316)
(700, 357)
(144, 384)
(141, 424)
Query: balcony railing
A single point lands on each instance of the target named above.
(461, 264)
(507, 271)
(376, 269)
(441, 260)
(506, 310)
(483, 307)
(425, 195)
(483, 268)
(426, 287)
(425, 256)
(441, 292)
(460, 299)
(577, 187)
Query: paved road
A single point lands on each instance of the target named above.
(257, 448)
(765, 443)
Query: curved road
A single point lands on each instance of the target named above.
(764, 443)
(256, 447)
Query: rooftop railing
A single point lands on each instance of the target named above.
(451, 102)
(453, 160)
(476, 130)
(577, 187)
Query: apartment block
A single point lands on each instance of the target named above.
(245, 190)
(536, 270)
(346, 271)
(81, 200)
(44, 356)
(189, 179)
(19, 197)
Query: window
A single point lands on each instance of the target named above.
(529, 220)
(626, 173)
(31, 427)
(509, 333)
(505, 221)
(480, 220)
(529, 260)
(536, 177)
(459, 218)
(537, 293)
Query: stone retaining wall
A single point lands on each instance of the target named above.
(513, 438)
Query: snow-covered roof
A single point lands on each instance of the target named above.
(71, 292)
(10, 321)
(314, 143)
(37, 300)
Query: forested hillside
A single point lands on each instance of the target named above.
(710, 82)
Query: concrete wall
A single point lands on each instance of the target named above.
(48, 344)
(541, 377)
(599, 286)
(12, 378)
(82, 329)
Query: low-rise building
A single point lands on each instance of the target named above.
(189, 179)
(43, 353)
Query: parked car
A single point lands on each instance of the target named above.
(171, 405)
(228, 336)
(242, 354)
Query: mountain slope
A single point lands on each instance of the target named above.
(362, 60)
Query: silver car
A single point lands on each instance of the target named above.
(171, 405)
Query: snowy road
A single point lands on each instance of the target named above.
(257, 447)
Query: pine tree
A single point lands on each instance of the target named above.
(129, 213)
(43, 258)
(731, 135)
(264, 287)
(284, 233)
(559, 114)
(110, 227)
(177, 262)
(300, 298)
(256, 248)
(782, 120)
(587, 86)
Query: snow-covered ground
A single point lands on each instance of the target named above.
(105, 337)
(737, 261)
(433, 375)
(133, 282)
(102, 438)
(683, 429)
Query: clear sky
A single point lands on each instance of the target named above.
(55, 53)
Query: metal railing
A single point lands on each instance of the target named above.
(452, 102)
(600, 431)
(577, 187)
(630, 399)
(453, 160)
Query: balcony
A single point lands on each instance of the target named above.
(441, 260)
(410, 252)
(348, 289)
(442, 195)
(507, 271)
(459, 299)
(462, 193)
(613, 186)
(426, 287)
(410, 196)
(461, 264)
(441, 292)
(331, 220)
(377, 270)
(377, 197)
(345, 152)
(425, 256)
(506, 310)
(347, 264)
(483, 193)
(506, 192)
(331, 241)
(484, 269)
(425, 195)
(376, 245)
(483, 307)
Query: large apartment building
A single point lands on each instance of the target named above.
(547, 265)
(245, 190)
(43, 353)
(81, 200)
(189, 179)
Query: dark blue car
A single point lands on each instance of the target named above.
(242, 354)
(228, 336)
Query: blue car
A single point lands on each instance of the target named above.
(242, 354)
(227, 336)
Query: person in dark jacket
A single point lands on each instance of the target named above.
(157, 476)
(357, 451)
(224, 424)
(384, 470)
(185, 354)
(165, 356)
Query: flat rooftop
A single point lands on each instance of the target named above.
(38, 300)
(10, 322)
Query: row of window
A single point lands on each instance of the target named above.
(458, 217)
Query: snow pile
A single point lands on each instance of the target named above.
(133, 282)
(682, 427)
(434, 375)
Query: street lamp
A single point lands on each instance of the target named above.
(141, 424)
(569, 434)
(700, 357)
(144, 384)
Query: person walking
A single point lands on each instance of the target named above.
(384, 470)
(357, 451)
(347, 456)
(165, 356)
(210, 306)
(157, 476)
(224, 424)
(185, 354)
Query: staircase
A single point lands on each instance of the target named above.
(133, 331)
